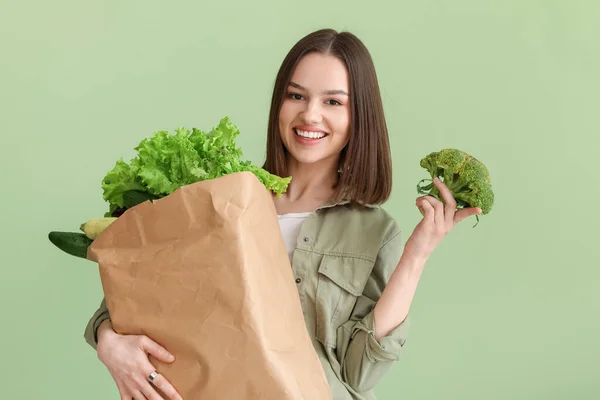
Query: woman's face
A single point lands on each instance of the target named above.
(314, 120)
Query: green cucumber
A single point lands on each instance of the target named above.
(73, 243)
(132, 198)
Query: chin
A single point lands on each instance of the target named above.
(308, 157)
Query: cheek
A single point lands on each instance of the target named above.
(283, 121)
(286, 113)
(344, 125)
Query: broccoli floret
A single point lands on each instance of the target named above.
(467, 178)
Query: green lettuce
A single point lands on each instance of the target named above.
(165, 162)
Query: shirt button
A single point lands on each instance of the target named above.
(306, 239)
(298, 280)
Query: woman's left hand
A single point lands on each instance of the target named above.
(438, 219)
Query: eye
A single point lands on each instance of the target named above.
(333, 102)
(295, 96)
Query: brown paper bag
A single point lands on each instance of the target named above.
(204, 272)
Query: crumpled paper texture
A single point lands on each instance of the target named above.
(204, 272)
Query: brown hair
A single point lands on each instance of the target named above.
(365, 163)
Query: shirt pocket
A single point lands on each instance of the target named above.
(341, 281)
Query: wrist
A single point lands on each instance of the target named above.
(409, 268)
(413, 261)
(104, 329)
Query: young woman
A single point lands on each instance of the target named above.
(327, 130)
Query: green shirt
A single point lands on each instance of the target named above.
(344, 257)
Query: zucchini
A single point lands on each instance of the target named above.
(73, 243)
(96, 226)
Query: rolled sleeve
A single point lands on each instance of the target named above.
(91, 329)
(364, 360)
(387, 348)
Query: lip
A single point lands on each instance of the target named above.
(307, 141)
(308, 128)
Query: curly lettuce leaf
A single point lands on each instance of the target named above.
(276, 184)
(165, 162)
(122, 178)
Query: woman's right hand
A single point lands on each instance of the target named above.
(126, 357)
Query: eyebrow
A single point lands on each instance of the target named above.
(328, 92)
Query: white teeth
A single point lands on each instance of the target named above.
(310, 135)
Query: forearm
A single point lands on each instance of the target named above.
(395, 301)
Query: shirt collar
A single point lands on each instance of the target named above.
(331, 204)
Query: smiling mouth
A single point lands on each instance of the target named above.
(309, 134)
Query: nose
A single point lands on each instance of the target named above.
(312, 113)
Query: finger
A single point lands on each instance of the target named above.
(429, 212)
(440, 218)
(137, 395)
(149, 392)
(438, 206)
(166, 387)
(448, 199)
(123, 392)
(151, 347)
(418, 203)
(465, 213)
(445, 193)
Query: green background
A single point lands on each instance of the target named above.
(508, 310)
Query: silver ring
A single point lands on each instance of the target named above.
(152, 376)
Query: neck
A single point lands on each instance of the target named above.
(311, 181)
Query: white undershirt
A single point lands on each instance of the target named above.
(290, 225)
